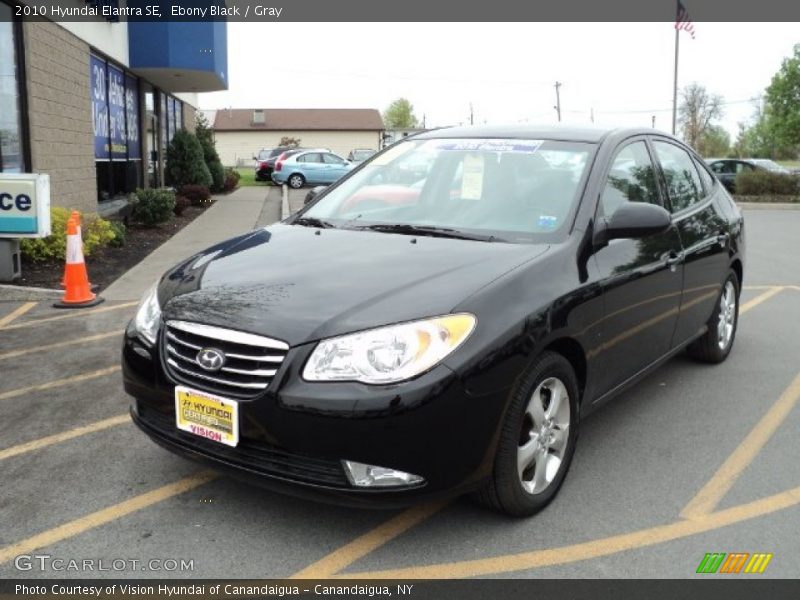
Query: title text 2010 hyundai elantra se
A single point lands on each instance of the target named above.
(439, 320)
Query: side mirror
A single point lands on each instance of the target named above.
(632, 220)
(312, 193)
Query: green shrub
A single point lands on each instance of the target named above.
(757, 183)
(232, 177)
(198, 195)
(153, 206)
(185, 162)
(181, 204)
(120, 234)
(217, 176)
(96, 233)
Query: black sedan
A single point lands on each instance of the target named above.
(726, 169)
(404, 338)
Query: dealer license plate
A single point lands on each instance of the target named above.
(207, 415)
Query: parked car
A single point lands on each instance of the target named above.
(726, 169)
(313, 167)
(265, 167)
(361, 154)
(265, 161)
(379, 353)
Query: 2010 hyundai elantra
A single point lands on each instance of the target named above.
(439, 320)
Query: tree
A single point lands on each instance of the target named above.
(400, 115)
(714, 141)
(696, 112)
(185, 164)
(205, 135)
(289, 141)
(783, 101)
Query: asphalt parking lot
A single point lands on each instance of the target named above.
(695, 459)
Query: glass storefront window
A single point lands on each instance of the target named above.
(11, 154)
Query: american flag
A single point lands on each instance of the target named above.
(682, 20)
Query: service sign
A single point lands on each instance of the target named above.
(24, 205)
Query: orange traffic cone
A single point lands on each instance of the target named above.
(77, 293)
(77, 217)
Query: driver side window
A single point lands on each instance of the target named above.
(630, 179)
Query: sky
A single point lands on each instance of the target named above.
(622, 73)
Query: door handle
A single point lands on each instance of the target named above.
(674, 259)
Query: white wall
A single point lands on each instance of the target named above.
(109, 38)
(239, 147)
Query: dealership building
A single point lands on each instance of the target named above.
(94, 103)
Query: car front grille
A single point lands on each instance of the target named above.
(251, 361)
(253, 455)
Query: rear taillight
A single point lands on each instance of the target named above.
(262, 165)
(279, 165)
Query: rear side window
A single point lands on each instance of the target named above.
(312, 157)
(630, 179)
(683, 180)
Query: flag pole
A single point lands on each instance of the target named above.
(675, 80)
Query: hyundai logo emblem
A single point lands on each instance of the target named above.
(210, 359)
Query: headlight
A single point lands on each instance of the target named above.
(148, 316)
(388, 354)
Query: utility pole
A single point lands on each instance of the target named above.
(558, 101)
(653, 121)
(591, 114)
(471, 115)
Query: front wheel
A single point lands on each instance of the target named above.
(716, 343)
(537, 440)
(296, 181)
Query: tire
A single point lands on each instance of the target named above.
(715, 344)
(522, 493)
(296, 181)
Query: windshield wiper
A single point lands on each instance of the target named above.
(427, 230)
(313, 222)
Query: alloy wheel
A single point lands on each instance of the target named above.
(727, 315)
(544, 436)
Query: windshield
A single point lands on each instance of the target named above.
(362, 154)
(505, 189)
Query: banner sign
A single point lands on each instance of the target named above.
(162, 116)
(172, 121)
(24, 205)
(98, 75)
(116, 108)
(132, 111)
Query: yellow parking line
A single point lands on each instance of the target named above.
(59, 382)
(106, 515)
(63, 436)
(70, 315)
(363, 545)
(81, 340)
(760, 298)
(712, 492)
(17, 313)
(588, 550)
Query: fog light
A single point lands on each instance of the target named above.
(361, 475)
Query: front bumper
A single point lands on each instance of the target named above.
(294, 436)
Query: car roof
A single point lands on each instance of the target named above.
(569, 133)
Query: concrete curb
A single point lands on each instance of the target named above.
(18, 293)
(284, 202)
(769, 205)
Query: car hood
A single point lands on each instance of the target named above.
(300, 284)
